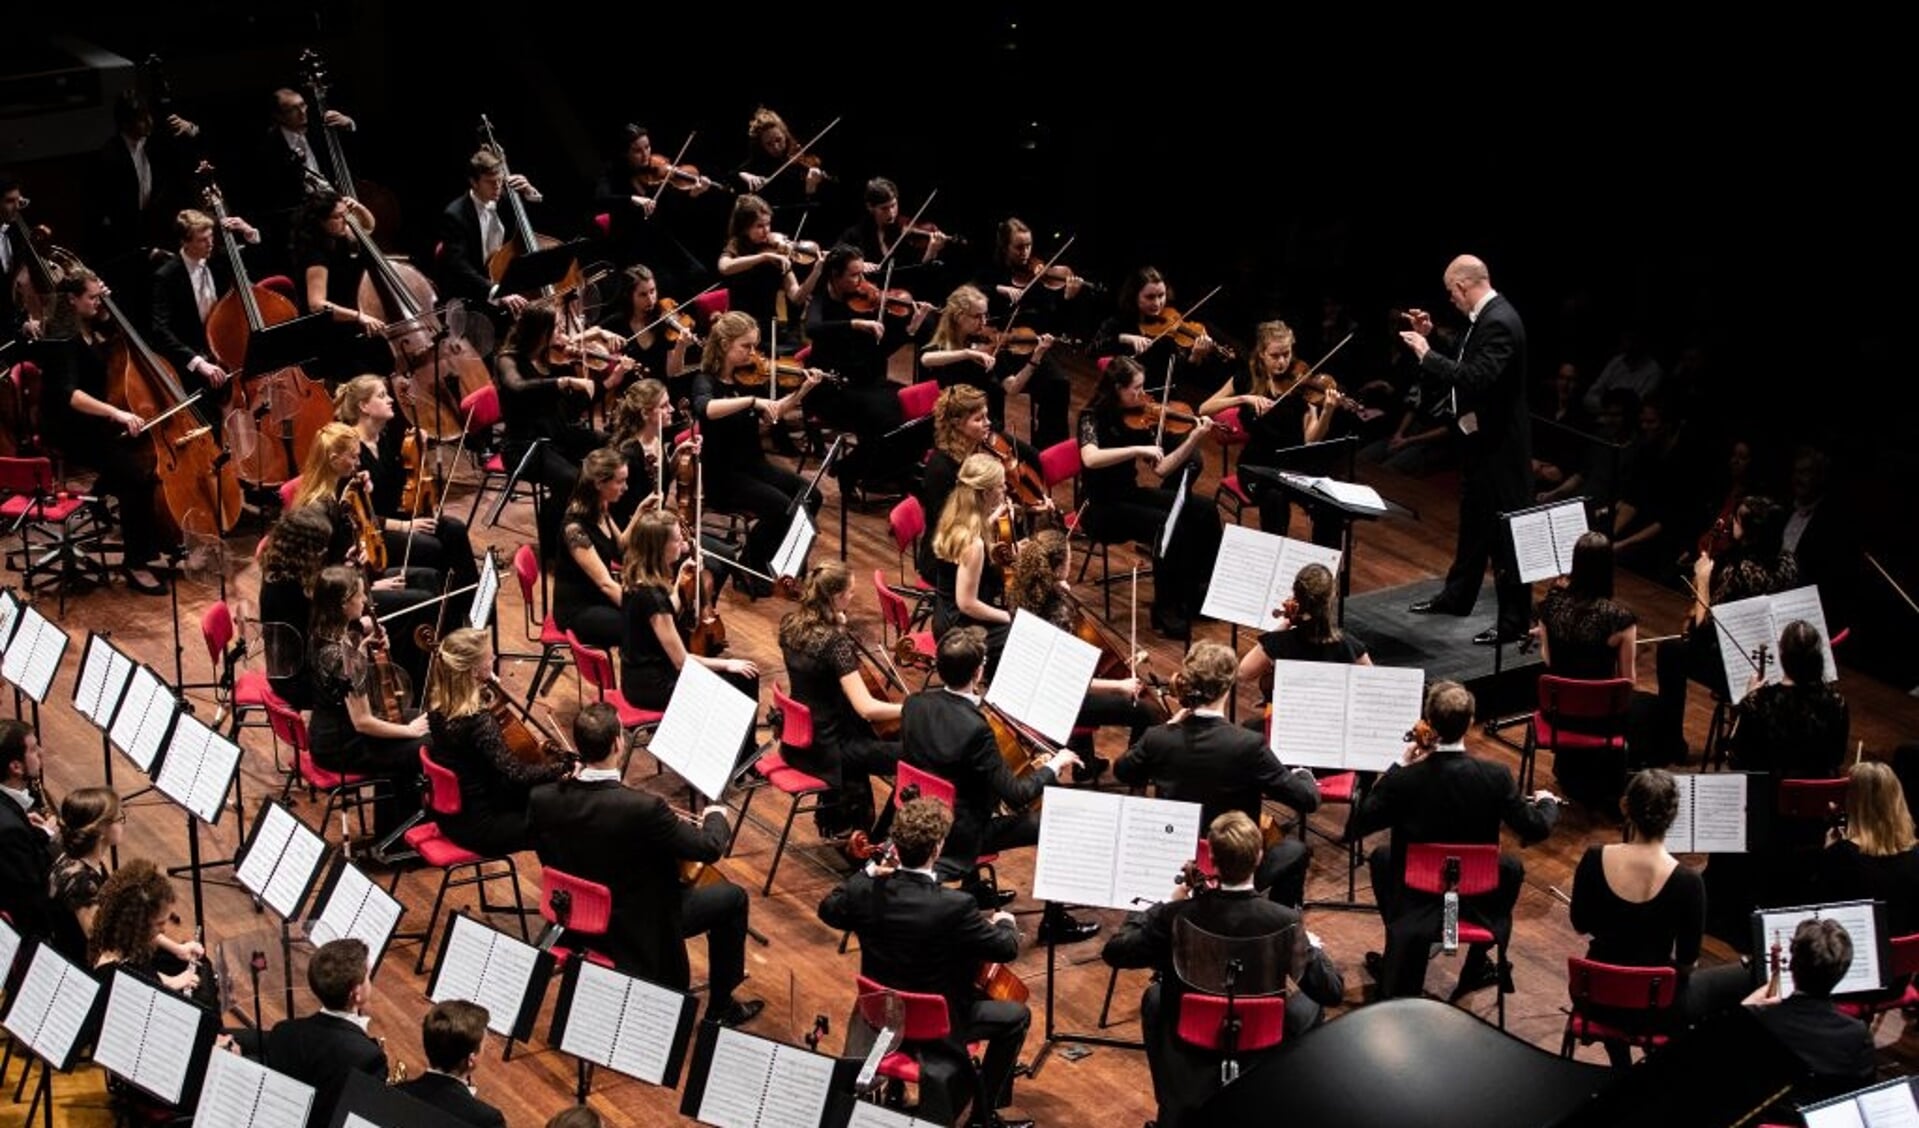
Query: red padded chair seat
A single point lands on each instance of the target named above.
(1230, 483)
(323, 779)
(785, 776)
(437, 850)
(59, 509)
(1338, 788)
(1563, 739)
(252, 688)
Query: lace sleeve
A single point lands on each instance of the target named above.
(842, 655)
(576, 535)
(1088, 429)
(490, 743)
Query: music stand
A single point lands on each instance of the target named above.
(530, 273)
(1329, 516)
(289, 344)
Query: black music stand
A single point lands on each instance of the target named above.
(1332, 520)
(288, 344)
(531, 273)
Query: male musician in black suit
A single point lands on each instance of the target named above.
(140, 178)
(473, 227)
(288, 153)
(453, 1033)
(1487, 386)
(185, 289)
(1442, 794)
(26, 833)
(943, 732)
(1836, 1049)
(13, 258)
(322, 1049)
(1184, 1075)
(595, 827)
(917, 935)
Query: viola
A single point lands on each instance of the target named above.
(1180, 417)
(882, 683)
(1023, 483)
(802, 252)
(530, 741)
(868, 298)
(1168, 324)
(423, 487)
(356, 501)
(1422, 735)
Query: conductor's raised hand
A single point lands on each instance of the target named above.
(1418, 321)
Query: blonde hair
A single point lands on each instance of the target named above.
(645, 550)
(963, 521)
(1877, 818)
(353, 395)
(764, 119)
(190, 222)
(815, 617)
(965, 299)
(955, 406)
(1266, 333)
(318, 480)
(728, 329)
(454, 689)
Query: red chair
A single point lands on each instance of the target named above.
(596, 668)
(344, 790)
(1814, 800)
(1231, 496)
(924, 1019)
(552, 640)
(804, 791)
(248, 692)
(707, 307)
(917, 400)
(67, 548)
(1649, 992)
(577, 911)
(603, 224)
(1574, 715)
(1251, 1024)
(1477, 873)
(1334, 789)
(482, 410)
(1060, 463)
(899, 621)
(288, 489)
(1900, 972)
(447, 856)
(907, 522)
(1203, 858)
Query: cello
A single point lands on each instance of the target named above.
(294, 406)
(197, 489)
(521, 238)
(378, 199)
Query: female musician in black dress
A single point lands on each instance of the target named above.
(1873, 857)
(331, 266)
(290, 566)
(1274, 415)
(757, 266)
(91, 824)
(961, 428)
(824, 660)
(543, 405)
(653, 643)
(1310, 634)
(964, 351)
(970, 583)
(660, 349)
(1582, 633)
(771, 145)
(586, 586)
(629, 194)
(1011, 282)
(1119, 509)
(1144, 298)
(467, 741)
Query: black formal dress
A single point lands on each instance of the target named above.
(845, 751)
(1493, 427)
(1206, 759)
(340, 670)
(544, 434)
(991, 591)
(632, 842)
(945, 733)
(1447, 797)
(73, 886)
(494, 784)
(1184, 1076)
(1119, 509)
(26, 860)
(1044, 311)
(866, 403)
(450, 1095)
(917, 935)
(321, 1050)
(738, 477)
(1848, 874)
(578, 603)
(124, 464)
(447, 551)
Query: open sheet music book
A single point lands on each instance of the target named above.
(1254, 572)
(33, 654)
(1886, 1105)
(104, 672)
(238, 1093)
(1712, 814)
(866, 1114)
(790, 560)
(1112, 851)
(143, 718)
(1352, 495)
(1042, 677)
(754, 1082)
(625, 1024)
(198, 768)
(350, 904)
(706, 721)
(153, 1038)
(1353, 718)
(481, 612)
(280, 860)
(485, 966)
(52, 1007)
(9, 949)
(10, 607)
(1751, 623)
(1864, 922)
(1543, 539)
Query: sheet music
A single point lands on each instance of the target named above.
(1802, 603)
(1254, 572)
(869, 1115)
(239, 1093)
(9, 948)
(278, 867)
(1533, 552)
(1860, 923)
(33, 657)
(1381, 705)
(755, 1082)
(103, 677)
(148, 1036)
(1568, 523)
(1309, 714)
(198, 768)
(355, 1120)
(706, 720)
(51, 1005)
(1840, 1114)
(1712, 814)
(1351, 494)
(1078, 831)
(1749, 624)
(1890, 1106)
(481, 611)
(140, 723)
(1156, 838)
(9, 616)
(797, 1089)
(1172, 517)
(488, 968)
(358, 909)
(623, 1023)
(790, 560)
(1042, 677)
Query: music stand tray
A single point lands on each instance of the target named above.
(530, 273)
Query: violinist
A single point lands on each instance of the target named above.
(539, 433)
(290, 567)
(1200, 757)
(964, 351)
(185, 289)
(824, 662)
(330, 267)
(856, 344)
(880, 236)
(757, 266)
(658, 348)
(943, 731)
(586, 586)
(1274, 413)
(1119, 509)
(416, 537)
(76, 417)
(343, 731)
(728, 412)
(629, 192)
(1138, 330)
(961, 429)
(971, 584)
(1013, 280)
(467, 741)
(639, 434)
(472, 229)
(1308, 632)
(770, 144)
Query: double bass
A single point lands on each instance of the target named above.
(284, 408)
(521, 238)
(378, 199)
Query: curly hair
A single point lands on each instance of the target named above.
(1036, 573)
(296, 548)
(955, 406)
(130, 911)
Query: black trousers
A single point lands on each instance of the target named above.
(1413, 920)
(1182, 572)
(764, 492)
(718, 912)
(448, 553)
(872, 413)
(849, 765)
(556, 466)
(124, 476)
(1478, 544)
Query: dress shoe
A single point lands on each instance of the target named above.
(1171, 624)
(1057, 927)
(142, 581)
(1492, 636)
(1435, 607)
(739, 1013)
(1375, 966)
(1479, 974)
(991, 899)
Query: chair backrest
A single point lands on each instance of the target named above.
(1202, 1020)
(1059, 462)
(442, 786)
(710, 305)
(1227, 428)
(602, 223)
(907, 522)
(526, 569)
(216, 627)
(288, 726)
(893, 608)
(1905, 955)
(596, 666)
(796, 721)
(482, 408)
(1591, 983)
(278, 283)
(926, 1017)
(26, 475)
(1577, 700)
(1818, 799)
(1478, 867)
(288, 489)
(585, 906)
(916, 400)
(930, 786)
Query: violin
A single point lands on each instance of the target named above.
(787, 374)
(1057, 276)
(593, 358)
(388, 688)
(1422, 735)
(423, 487)
(659, 170)
(674, 322)
(882, 683)
(356, 501)
(1317, 389)
(1179, 416)
(868, 298)
(1024, 341)
(1717, 540)
(1168, 324)
(921, 233)
(802, 252)
(708, 635)
(530, 741)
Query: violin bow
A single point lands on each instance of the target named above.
(1314, 370)
(1041, 272)
(1887, 576)
(773, 360)
(1190, 311)
(1165, 397)
(424, 603)
(887, 252)
(674, 166)
(798, 153)
(1132, 640)
(1758, 665)
(675, 312)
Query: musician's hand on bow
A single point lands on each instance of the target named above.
(417, 727)
(1063, 759)
(1131, 687)
(754, 182)
(424, 525)
(369, 323)
(872, 328)
(1203, 347)
(30, 329)
(389, 583)
(1135, 341)
(514, 304)
(649, 503)
(646, 204)
(133, 423)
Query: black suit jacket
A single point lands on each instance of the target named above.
(451, 1096)
(632, 843)
(462, 260)
(322, 1050)
(917, 935)
(945, 734)
(1490, 377)
(178, 332)
(120, 225)
(1449, 797)
(1217, 764)
(26, 858)
(1836, 1048)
